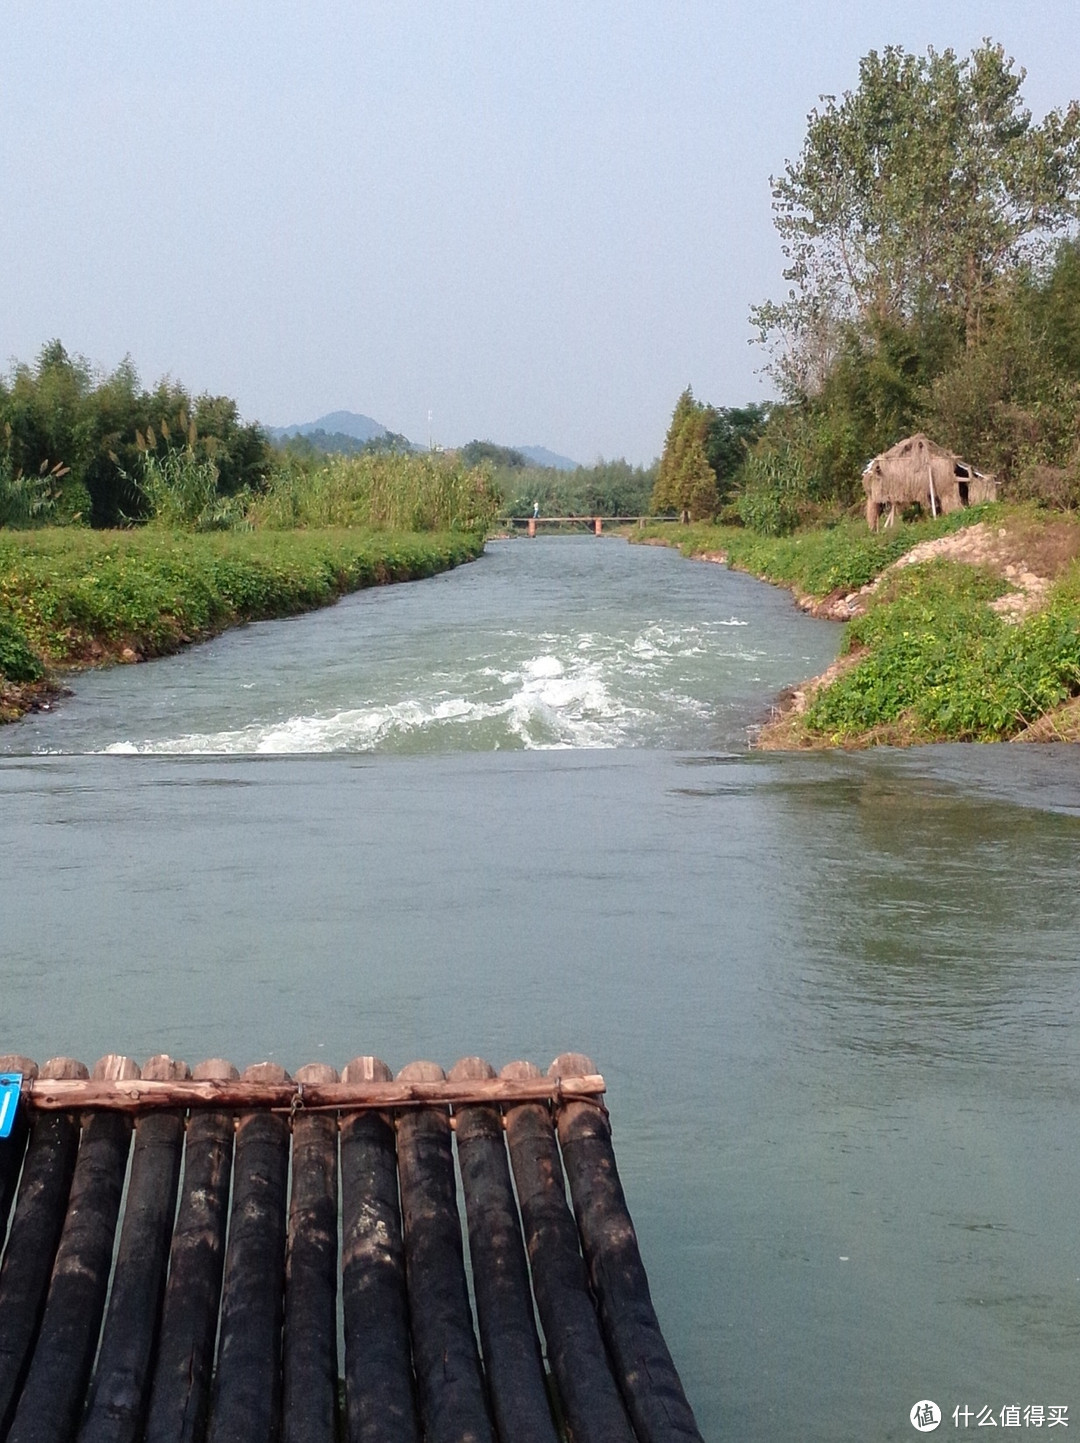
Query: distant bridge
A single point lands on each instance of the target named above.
(595, 524)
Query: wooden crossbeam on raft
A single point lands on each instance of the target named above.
(176, 1265)
(137, 1095)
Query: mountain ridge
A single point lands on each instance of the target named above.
(365, 428)
(339, 423)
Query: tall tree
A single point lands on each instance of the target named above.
(913, 195)
(59, 413)
(686, 482)
(730, 433)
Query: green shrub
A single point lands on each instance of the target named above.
(940, 659)
(18, 661)
(27, 500)
(771, 493)
(1056, 488)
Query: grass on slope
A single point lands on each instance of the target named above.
(69, 596)
(940, 665)
(816, 563)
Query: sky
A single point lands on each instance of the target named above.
(533, 223)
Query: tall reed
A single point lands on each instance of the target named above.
(392, 492)
(181, 492)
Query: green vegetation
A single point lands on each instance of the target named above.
(28, 500)
(90, 434)
(512, 482)
(942, 666)
(914, 199)
(685, 482)
(18, 661)
(404, 492)
(314, 445)
(71, 596)
(705, 450)
(505, 458)
(817, 563)
(610, 488)
(181, 492)
(932, 284)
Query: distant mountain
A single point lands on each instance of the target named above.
(541, 456)
(366, 428)
(343, 423)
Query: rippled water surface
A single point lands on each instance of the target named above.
(835, 997)
(569, 642)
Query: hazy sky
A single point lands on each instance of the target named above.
(538, 222)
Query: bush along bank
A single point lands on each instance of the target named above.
(71, 598)
(963, 629)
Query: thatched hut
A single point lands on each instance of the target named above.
(918, 472)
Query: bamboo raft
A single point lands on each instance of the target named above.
(200, 1255)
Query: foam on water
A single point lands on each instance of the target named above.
(546, 702)
(582, 690)
(562, 646)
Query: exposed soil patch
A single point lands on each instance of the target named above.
(1029, 556)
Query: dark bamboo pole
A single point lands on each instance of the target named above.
(55, 1387)
(13, 1147)
(379, 1397)
(587, 1389)
(309, 1366)
(180, 1393)
(448, 1374)
(247, 1389)
(116, 1408)
(647, 1376)
(500, 1273)
(33, 1238)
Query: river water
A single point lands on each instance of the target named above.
(511, 811)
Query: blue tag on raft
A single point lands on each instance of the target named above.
(10, 1084)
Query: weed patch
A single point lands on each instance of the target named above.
(939, 661)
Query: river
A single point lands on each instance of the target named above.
(511, 811)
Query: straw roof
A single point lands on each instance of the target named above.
(904, 472)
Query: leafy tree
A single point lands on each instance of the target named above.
(730, 433)
(89, 433)
(45, 423)
(613, 488)
(1055, 308)
(914, 195)
(610, 488)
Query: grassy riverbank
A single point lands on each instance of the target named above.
(71, 598)
(966, 628)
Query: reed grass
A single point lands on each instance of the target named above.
(389, 491)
